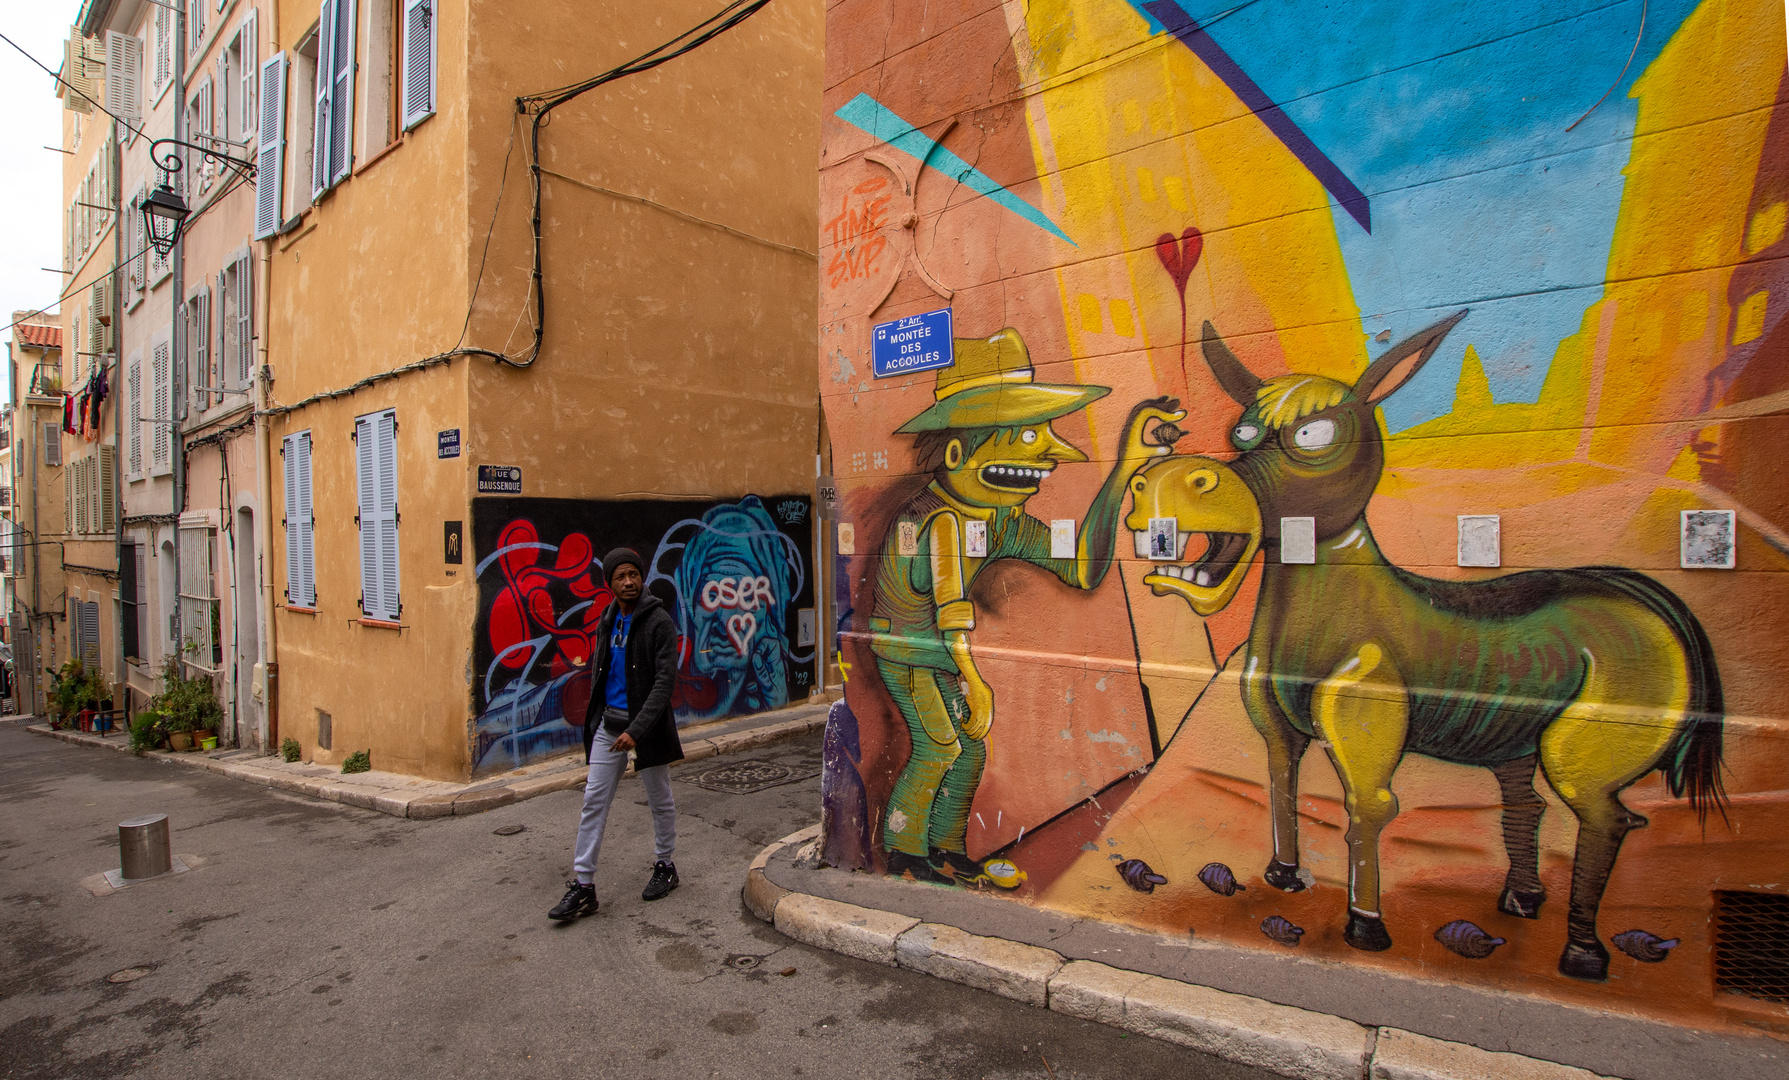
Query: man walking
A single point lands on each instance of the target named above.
(633, 672)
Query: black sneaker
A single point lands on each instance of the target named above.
(664, 879)
(579, 900)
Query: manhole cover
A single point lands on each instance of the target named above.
(508, 830)
(745, 777)
(127, 975)
(742, 962)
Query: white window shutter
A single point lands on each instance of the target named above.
(108, 489)
(222, 127)
(419, 61)
(367, 491)
(133, 408)
(341, 104)
(270, 147)
(164, 46)
(79, 469)
(250, 74)
(385, 430)
(325, 84)
(160, 435)
(245, 323)
(68, 500)
(307, 524)
(124, 78)
(201, 343)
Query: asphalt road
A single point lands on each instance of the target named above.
(320, 940)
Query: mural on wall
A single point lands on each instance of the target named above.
(737, 577)
(1368, 286)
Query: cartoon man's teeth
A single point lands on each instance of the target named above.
(1016, 472)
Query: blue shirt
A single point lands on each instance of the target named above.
(616, 691)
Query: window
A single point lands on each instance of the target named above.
(133, 408)
(161, 372)
(270, 141)
(247, 53)
(418, 40)
(200, 126)
(376, 478)
(164, 48)
(195, 26)
(200, 645)
(332, 153)
(381, 112)
(124, 79)
(195, 344)
(242, 288)
(83, 632)
(130, 585)
(301, 554)
(52, 443)
(104, 513)
(302, 136)
(136, 272)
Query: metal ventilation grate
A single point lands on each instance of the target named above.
(1751, 944)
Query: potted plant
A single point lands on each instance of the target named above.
(190, 706)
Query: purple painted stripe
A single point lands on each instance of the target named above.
(1182, 26)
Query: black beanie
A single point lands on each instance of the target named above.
(618, 558)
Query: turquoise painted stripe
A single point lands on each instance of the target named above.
(876, 120)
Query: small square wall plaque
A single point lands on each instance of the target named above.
(1164, 539)
(1298, 540)
(975, 539)
(1706, 540)
(1062, 538)
(1481, 543)
(847, 539)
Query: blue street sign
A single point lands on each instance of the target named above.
(447, 443)
(916, 343)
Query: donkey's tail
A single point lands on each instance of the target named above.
(1692, 763)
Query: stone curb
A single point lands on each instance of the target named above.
(1281, 1039)
(423, 800)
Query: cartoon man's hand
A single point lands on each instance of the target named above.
(981, 707)
(1144, 420)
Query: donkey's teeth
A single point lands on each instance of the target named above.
(1202, 579)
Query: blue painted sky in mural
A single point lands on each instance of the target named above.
(1452, 119)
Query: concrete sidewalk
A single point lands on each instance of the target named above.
(416, 798)
(1294, 1016)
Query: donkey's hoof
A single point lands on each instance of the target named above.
(1366, 933)
(1522, 903)
(1588, 962)
(1283, 876)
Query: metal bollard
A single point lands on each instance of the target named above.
(144, 848)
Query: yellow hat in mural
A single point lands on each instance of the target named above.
(991, 385)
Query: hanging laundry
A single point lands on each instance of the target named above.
(68, 413)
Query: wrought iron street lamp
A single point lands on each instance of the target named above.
(164, 211)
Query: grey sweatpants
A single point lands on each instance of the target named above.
(606, 767)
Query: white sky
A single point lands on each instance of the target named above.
(31, 181)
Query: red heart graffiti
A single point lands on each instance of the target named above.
(1180, 256)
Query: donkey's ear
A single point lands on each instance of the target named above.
(1237, 381)
(1401, 361)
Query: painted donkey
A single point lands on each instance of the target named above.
(1598, 675)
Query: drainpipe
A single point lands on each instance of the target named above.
(120, 688)
(270, 668)
(177, 368)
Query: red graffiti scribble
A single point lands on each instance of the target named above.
(525, 609)
(856, 234)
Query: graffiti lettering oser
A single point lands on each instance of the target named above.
(731, 576)
(856, 233)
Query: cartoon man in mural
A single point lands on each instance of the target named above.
(988, 444)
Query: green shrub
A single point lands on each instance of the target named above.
(290, 750)
(359, 761)
(146, 730)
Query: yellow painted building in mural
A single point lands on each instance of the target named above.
(434, 400)
(1478, 339)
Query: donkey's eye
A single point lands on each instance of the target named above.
(1315, 435)
(1245, 435)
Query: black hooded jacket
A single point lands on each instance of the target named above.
(651, 677)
